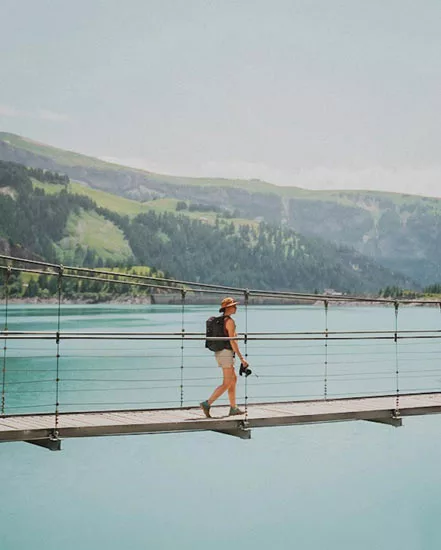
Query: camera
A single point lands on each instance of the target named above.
(244, 370)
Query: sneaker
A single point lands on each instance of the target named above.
(206, 408)
(235, 411)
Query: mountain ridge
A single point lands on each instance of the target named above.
(54, 226)
(76, 158)
(400, 231)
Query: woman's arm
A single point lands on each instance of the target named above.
(230, 327)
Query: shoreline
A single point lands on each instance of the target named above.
(175, 299)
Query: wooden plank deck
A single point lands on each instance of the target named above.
(37, 427)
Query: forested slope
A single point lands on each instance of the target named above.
(401, 232)
(254, 255)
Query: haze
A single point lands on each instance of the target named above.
(318, 94)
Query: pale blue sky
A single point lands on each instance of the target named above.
(320, 94)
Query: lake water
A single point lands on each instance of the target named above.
(334, 486)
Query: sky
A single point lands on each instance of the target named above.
(321, 94)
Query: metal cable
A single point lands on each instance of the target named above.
(57, 378)
(246, 295)
(309, 338)
(397, 374)
(7, 276)
(182, 345)
(170, 337)
(240, 335)
(203, 287)
(284, 379)
(205, 384)
(326, 351)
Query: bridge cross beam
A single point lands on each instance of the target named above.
(51, 443)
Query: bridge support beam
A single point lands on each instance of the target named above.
(396, 422)
(53, 444)
(242, 433)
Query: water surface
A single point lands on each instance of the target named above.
(334, 486)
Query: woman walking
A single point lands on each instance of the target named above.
(225, 359)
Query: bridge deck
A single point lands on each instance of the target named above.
(39, 427)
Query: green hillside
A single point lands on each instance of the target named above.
(44, 219)
(123, 180)
(12, 145)
(61, 225)
(106, 200)
(401, 232)
(131, 207)
(90, 231)
(59, 156)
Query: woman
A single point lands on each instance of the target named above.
(225, 360)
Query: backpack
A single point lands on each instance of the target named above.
(215, 328)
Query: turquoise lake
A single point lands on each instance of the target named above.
(354, 485)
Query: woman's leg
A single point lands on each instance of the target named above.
(229, 379)
(232, 391)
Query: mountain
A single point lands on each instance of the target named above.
(41, 214)
(399, 232)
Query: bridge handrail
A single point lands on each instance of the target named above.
(192, 286)
(198, 336)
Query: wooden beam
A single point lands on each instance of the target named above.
(241, 433)
(391, 421)
(50, 443)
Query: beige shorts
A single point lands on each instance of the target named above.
(225, 358)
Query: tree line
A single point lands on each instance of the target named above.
(47, 176)
(248, 256)
(30, 218)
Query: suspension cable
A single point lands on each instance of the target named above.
(181, 335)
(78, 272)
(7, 276)
(325, 389)
(57, 378)
(182, 343)
(246, 297)
(397, 373)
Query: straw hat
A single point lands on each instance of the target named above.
(228, 302)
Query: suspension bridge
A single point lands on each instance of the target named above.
(59, 383)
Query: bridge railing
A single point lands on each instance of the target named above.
(55, 360)
(79, 371)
